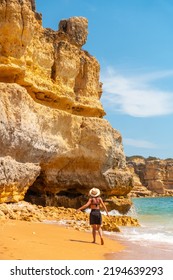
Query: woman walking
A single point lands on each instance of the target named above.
(94, 202)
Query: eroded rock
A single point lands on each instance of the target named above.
(16, 178)
(65, 216)
(151, 176)
(60, 74)
(75, 153)
(51, 114)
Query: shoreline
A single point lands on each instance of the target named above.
(23, 240)
(139, 251)
(27, 236)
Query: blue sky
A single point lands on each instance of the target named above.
(133, 42)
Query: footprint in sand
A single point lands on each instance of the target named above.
(11, 237)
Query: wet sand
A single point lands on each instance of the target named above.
(140, 251)
(21, 240)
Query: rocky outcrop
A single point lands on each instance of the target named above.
(66, 216)
(154, 176)
(15, 178)
(51, 124)
(50, 64)
(74, 153)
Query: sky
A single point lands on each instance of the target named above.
(133, 43)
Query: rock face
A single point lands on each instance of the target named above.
(49, 64)
(15, 178)
(154, 175)
(51, 126)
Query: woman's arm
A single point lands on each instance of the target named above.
(85, 205)
(104, 206)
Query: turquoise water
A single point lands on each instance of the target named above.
(156, 212)
(154, 206)
(154, 238)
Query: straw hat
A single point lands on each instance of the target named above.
(94, 192)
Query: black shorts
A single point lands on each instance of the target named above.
(95, 217)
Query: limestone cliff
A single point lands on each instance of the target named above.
(49, 64)
(154, 176)
(51, 125)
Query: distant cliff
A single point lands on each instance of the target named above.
(54, 143)
(152, 176)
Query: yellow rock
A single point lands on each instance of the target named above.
(51, 121)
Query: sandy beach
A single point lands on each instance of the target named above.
(22, 240)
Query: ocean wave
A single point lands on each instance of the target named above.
(147, 235)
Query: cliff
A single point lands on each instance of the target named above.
(54, 143)
(152, 176)
(49, 64)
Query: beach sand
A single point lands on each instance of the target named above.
(143, 251)
(21, 240)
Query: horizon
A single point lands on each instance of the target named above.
(133, 44)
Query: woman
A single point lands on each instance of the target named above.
(95, 219)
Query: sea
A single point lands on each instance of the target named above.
(153, 239)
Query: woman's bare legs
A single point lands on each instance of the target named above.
(94, 228)
(100, 234)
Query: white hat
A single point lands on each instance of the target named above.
(94, 192)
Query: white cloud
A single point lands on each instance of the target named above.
(139, 143)
(135, 96)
